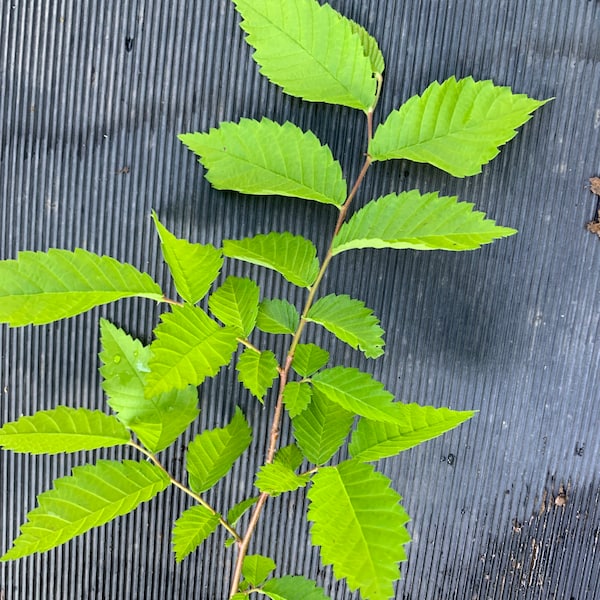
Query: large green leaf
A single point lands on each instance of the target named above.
(193, 526)
(93, 495)
(157, 421)
(296, 396)
(351, 321)
(235, 303)
(420, 222)
(277, 316)
(212, 453)
(293, 256)
(193, 266)
(257, 371)
(308, 359)
(63, 429)
(456, 126)
(360, 525)
(373, 440)
(263, 157)
(293, 587)
(41, 287)
(256, 568)
(311, 51)
(189, 347)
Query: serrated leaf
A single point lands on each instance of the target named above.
(293, 587)
(296, 397)
(257, 371)
(266, 158)
(373, 440)
(289, 456)
(63, 429)
(236, 512)
(293, 256)
(419, 222)
(235, 303)
(370, 47)
(311, 51)
(359, 523)
(189, 347)
(193, 267)
(456, 126)
(157, 421)
(256, 568)
(351, 321)
(193, 526)
(308, 359)
(93, 495)
(277, 478)
(321, 428)
(277, 316)
(41, 287)
(212, 453)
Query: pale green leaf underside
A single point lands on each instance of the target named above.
(296, 397)
(293, 587)
(310, 50)
(358, 522)
(293, 256)
(193, 266)
(193, 526)
(235, 303)
(277, 316)
(189, 347)
(266, 158)
(456, 126)
(41, 287)
(257, 371)
(276, 478)
(93, 495)
(308, 359)
(374, 440)
(63, 429)
(212, 453)
(256, 568)
(157, 421)
(351, 321)
(419, 222)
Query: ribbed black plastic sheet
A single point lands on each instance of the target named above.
(92, 95)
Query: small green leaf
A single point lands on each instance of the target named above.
(456, 126)
(351, 321)
(311, 51)
(239, 596)
(370, 47)
(308, 359)
(293, 587)
(235, 303)
(41, 287)
(419, 222)
(93, 495)
(277, 478)
(296, 397)
(212, 453)
(189, 347)
(293, 256)
(277, 316)
(373, 440)
(257, 371)
(63, 429)
(256, 568)
(193, 526)
(360, 525)
(236, 512)
(266, 158)
(289, 456)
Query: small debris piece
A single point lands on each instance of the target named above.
(595, 185)
(594, 226)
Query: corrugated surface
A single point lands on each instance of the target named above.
(92, 95)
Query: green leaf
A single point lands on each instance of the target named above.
(189, 347)
(293, 256)
(370, 47)
(276, 478)
(236, 512)
(93, 495)
(193, 526)
(41, 287)
(351, 321)
(289, 456)
(293, 587)
(157, 421)
(321, 428)
(193, 266)
(63, 429)
(267, 158)
(296, 397)
(235, 303)
(360, 525)
(456, 126)
(212, 453)
(277, 316)
(311, 51)
(308, 359)
(257, 371)
(256, 568)
(420, 222)
(373, 440)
